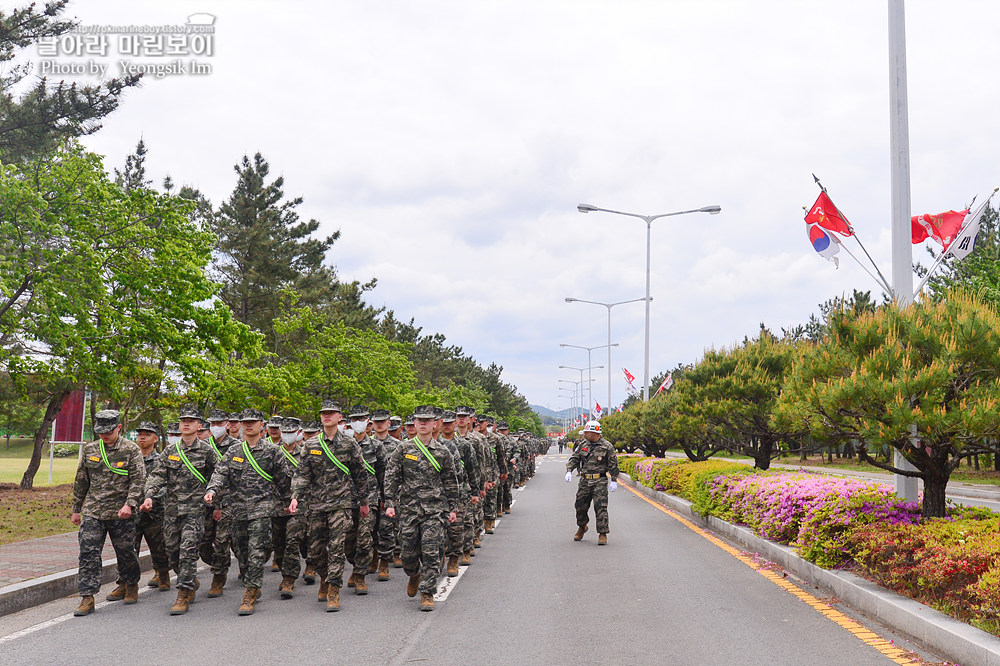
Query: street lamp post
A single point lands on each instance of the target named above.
(587, 208)
(608, 306)
(590, 390)
(579, 389)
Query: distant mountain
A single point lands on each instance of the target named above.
(545, 412)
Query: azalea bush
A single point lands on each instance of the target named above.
(677, 476)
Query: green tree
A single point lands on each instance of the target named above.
(933, 365)
(43, 116)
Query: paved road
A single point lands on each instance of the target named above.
(659, 593)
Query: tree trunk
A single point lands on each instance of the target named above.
(934, 495)
(51, 411)
(762, 456)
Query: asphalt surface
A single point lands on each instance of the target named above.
(658, 593)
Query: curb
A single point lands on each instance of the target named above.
(956, 640)
(37, 591)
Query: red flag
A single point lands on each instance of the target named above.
(629, 376)
(943, 227)
(826, 215)
(667, 383)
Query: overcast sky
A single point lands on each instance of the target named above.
(450, 143)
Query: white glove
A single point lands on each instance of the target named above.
(569, 477)
(613, 486)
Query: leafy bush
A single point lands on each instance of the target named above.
(65, 450)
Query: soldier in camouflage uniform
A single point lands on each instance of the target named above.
(287, 529)
(106, 491)
(396, 428)
(596, 461)
(184, 470)
(332, 475)
(217, 541)
(387, 527)
(455, 531)
(253, 476)
(420, 480)
(470, 482)
(409, 428)
(363, 545)
(496, 470)
(464, 427)
(310, 438)
(149, 524)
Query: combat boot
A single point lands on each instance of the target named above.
(383, 569)
(350, 581)
(333, 600)
(413, 586)
(426, 601)
(86, 606)
(489, 524)
(452, 566)
(154, 581)
(287, 587)
(181, 605)
(360, 587)
(250, 597)
(477, 542)
(131, 594)
(602, 539)
(580, 531)
(397, 562)
(117, 594)
(373, 565)
(218, 582)
(324, 588)
(163, 580)
(310, 575)
(466, 559)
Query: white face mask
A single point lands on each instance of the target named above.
(289, 437)
(348, 430)
(218, 432)
(173, 439)
(360, 426)
(489, 428)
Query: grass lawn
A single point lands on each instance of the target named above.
(31, 514)
(63, 471)
(962, 474)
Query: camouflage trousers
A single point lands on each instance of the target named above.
(253, 540)
(456, 532)
(422, 540)
(149, 525)
(477, 526)
(490, 502)
(469, 528)
(182, 535)
(504, 496)
(217, 542)
(291, 546)
(388, 530)
(364, 543)
(91, 537)
(327, 538)
(595, 490)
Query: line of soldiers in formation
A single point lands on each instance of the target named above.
(374, 491)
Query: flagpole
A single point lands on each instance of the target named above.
(879, 282)
(884, 282)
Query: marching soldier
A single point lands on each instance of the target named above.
(387, 527)
(332, 475)
(421, 482)
(252, 476)
(595, 461)
(287, 529)
(184, 472)
(373, 457)
(106, 491)
(217, 542)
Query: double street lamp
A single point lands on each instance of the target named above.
(587, 208)
(609, 345)
(590, 388)
(578, 390)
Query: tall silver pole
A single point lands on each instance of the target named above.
(645, 369)
(899, 143)
(608, 406)
(590, 383)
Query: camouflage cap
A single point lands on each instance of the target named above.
(424, 412)
(448, 416)
(106, 420)
(330, 406)
(359, 412)
(502, 425)
(311, 426)
(395, 422)
(147, 426)
(463, 410)
(218, 415)
(190, 412)
(205, 425)
(291, 424)
(174, 428)
(438, 411)
(409, 420)
(251, 415)
(275, 421)
(380, 414)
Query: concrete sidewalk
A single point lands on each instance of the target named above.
(39, 570)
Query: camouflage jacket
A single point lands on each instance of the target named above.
(414, 484)
(250, 495)
(184, 492)
(326, 486)
(151, 462)
(471, 462)
(497, 448)
(294, 460)
(389, 444)
(100, 493)
(487, 464)
(374, 454)
(460, 475)
(594, 458)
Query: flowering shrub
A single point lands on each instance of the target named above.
(675, 476)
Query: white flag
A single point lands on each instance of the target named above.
(965, 242)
